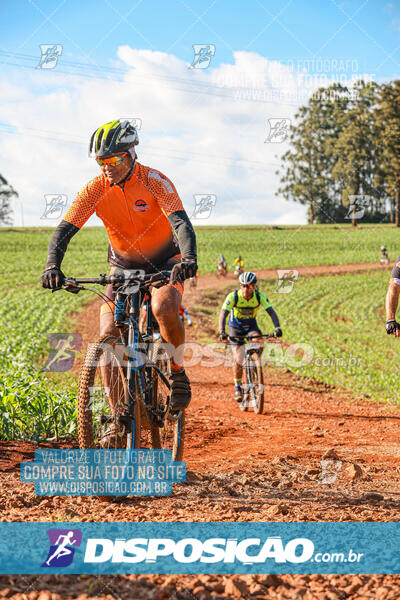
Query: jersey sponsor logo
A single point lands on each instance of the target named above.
(141, 206)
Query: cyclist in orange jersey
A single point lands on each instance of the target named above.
(147, 229)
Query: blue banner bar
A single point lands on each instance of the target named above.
(184, 548)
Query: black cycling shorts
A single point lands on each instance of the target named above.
(242, 332)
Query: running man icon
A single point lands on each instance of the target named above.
(60, 553)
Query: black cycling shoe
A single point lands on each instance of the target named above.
(180, 390)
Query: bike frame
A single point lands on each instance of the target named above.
(126, 315)
(138, 344)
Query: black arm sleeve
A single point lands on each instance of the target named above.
(274, 316)
(59, 242)
(185, 234)
(222, 319)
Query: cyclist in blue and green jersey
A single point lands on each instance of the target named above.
(242, 306)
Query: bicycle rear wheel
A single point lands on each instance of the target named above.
(254, 384)
(102, 397)
(167, 434)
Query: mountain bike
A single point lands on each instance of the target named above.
(124, 388)
(253, 386)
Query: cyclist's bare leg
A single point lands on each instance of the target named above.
(238, 357)
(107, 326)
(165, 303)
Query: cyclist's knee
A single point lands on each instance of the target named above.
(107, 326)
(165, 302)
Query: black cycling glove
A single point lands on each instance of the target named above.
(392, 326)
(52, 277)
(183, 270)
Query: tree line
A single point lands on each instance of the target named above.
(344, 157)
(7, 194)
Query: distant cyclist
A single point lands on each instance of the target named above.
(221, 265)
(238, 265)
(384, 256)
(242, 306)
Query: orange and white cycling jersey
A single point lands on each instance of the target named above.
(134, 216)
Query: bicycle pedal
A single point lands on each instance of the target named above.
(126, 421)
(174, 415)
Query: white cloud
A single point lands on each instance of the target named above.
(204, 128)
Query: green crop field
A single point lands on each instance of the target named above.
(263, 248)
(332, 314)
(33, 406)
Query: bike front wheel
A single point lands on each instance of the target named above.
(254, 386)
(103, 398)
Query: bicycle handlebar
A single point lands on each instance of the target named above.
(71, 284)
(251, 337)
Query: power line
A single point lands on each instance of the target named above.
(175, 154)
(195, 87)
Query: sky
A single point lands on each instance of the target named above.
(210, 125)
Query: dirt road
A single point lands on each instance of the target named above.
(242, 467)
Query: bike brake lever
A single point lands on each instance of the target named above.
(70, 285)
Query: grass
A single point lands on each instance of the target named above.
(338, 323)
(289, 248)
(336, 314)
(32, 405)
(341, 319)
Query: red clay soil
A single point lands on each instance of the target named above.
(242, 467)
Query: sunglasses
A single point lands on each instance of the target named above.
(113, 161)
(247, 285)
